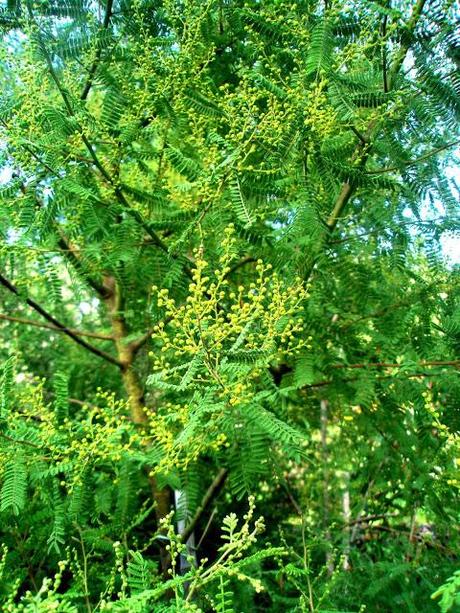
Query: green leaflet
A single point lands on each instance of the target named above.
(61, 390)
(14, 486)
(57, 537)
(133, 136)
(6, 384)
(320, 51)
(239, 203)
(139, 574)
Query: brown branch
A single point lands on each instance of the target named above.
(211, 493)
(246, 260)
(82, 403)
(137, 344)
(31, 322)
(103, 171)
(71, 112)
(69, 250)
(404, 531)
(92, 70)
(71, 253)
(401, 56)
(384, 53)
(374, 315)
(65, 98)
(360, 235)
(97, 163)
(369, 518)
(67, 331)
(206, 530)
(358, 134)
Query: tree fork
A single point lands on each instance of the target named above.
(59, 325)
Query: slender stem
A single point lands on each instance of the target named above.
(84, 571)
(210, 495)
(410, 163)
(206, 528)
(324, 405)
(362, 150)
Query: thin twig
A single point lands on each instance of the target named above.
(205, 531)
(138, 343)
(415, 161)
(38, 324)
(246, 260)
(18, 441)
(391, 307)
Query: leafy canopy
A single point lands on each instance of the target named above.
(221, 277)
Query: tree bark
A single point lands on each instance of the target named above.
(324, 405)
(135, 392)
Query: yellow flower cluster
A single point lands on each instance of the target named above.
(102, 433)
(217, 317)
(218, 341)
(321, 117)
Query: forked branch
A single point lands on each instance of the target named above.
(60, 326)
(363, 148)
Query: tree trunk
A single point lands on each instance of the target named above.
(135, 392)
(324, 405)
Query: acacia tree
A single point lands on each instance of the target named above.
(221, 276)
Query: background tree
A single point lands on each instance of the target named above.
(221, 276)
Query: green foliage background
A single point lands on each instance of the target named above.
(222, 289)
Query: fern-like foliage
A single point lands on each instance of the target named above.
(6, 386)
(14, 487)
